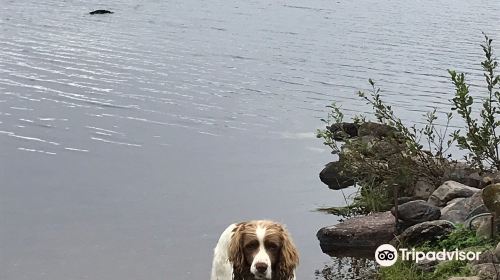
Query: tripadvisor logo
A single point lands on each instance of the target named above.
(387, 255)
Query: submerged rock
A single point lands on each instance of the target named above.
(357, 236)
(450, 190)
(426, 231)
(333, 176)
(417, 211)
(100, 12)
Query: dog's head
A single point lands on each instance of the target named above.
(262, 250)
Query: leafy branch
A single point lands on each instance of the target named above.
(481, 135)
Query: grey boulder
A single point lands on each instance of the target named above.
(357, 236)
(455, 211)
(335, 176)
(426, 231)
(417, 211)
(450, 190)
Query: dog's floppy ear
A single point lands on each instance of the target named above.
(236, 254)
(289, 257)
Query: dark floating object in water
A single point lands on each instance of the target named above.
(100, 12)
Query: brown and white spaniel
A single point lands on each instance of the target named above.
(252, 250)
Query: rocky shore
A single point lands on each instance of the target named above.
(450, 204)
(427, 212)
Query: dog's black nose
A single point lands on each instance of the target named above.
(261, 267)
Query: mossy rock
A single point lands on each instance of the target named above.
(491, 198)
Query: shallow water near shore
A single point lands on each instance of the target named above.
(129, 141)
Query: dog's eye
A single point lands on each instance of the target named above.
(252, 245)
(272, 247)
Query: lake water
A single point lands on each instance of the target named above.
(129, 141)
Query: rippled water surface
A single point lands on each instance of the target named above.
(129, 141)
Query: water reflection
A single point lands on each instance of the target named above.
(347, 268)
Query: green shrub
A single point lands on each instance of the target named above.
(416, 153)
(370, 197)
(481, 137)
(401, 270)
(445, 270)
(409, 271)
(461, 238)
(381, 164)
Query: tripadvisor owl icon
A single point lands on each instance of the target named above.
(386, 255)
